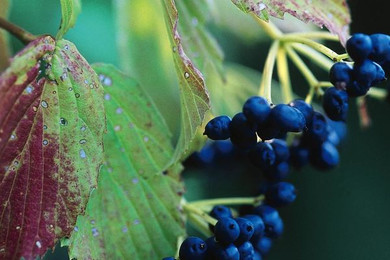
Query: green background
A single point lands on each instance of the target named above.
(342, 214)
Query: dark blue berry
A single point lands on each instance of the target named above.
(380, 74)
(280, 147)
(359, 46)
(258, 224)
(287, 118)
(335, 104)
(257, 256)
(218, 128)
(243, 132)
(205, 155)
(269, 131)
(226, 230)
(281, 194)
(380, 46)
(305, 108)
(278, 172)
(367, 72)
(355, 89)
(325, 156)
(246, 230)
(262, 155)
(246, 251)
(193, 248)
(340, 128)
(257, 110)
(273, 223)
(263, 245)
(340, 74)
(317, 129)
(299, 156)
(218, 212)
(169, 258)
(226, 252)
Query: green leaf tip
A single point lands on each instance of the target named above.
(70, 9)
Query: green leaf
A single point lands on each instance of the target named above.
(70, 9)
(333, 14)
(134, 213)
(145, 53)
(200, 46)
(51, 145)
(194, 97)
(4, 45)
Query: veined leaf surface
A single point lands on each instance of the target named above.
(134, 213)
(51, 145)
(4, 47)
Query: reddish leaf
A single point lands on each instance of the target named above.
(45, 175)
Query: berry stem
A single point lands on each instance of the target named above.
(189, 208)
(17, 31)
(311, 79)
(269, 28)
(228, 201)
(266, 80)
(316, 35)
(377, 93)
(324, 84)
(316, 57)
(283, 74)
(200, 225)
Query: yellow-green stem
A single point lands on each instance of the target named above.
(199, 224)
(315, 56)
(228, 201)
(268, 27)
(191, 209)
(265, 85)
(316, 35)
(284, 75)
(378, 93)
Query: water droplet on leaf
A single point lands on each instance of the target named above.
(44, 104)
(82, 154)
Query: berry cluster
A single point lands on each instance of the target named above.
(248, 237)
(371, 56)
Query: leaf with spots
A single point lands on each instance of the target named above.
(194, 97)
(51, 145)
(70, 9)
(134, 213)
(333, 14)
(4, 46)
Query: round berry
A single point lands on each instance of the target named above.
(325, 156)
(335, 104)
(278, 172)
(263, 245)
(317, 129)
(193, 248)
(305, 108)
(218, 128)
(281, 150)
(243, 132)
(273, 223)
(218, 212)
(355, 89)
(268, 131)
(262, 155)
(246, 251)
(258, 224)
(359, 46)
(281, 194)
(257, 110)
(380, 46)
(226, 252)
(340, 74)
(246, 230)
(288, 118)
(226, 231)
(367, 72)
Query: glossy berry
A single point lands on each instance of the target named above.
(359, 46)
(380, 46)
(218, 212)
(325, 156)
(340, 74)
(317, 129)
(243, 133)
(262, 155)
(278, 172)
(263, 245)
(299, 156)
(281, 150)
(246, 251)
(246, 230)
(258, 224)
(257, 110)
(305, 108)
(335, 104)
(273, 223)
(367, 73)
(218, 128)
(281, 194)
(193, 248)
(288, 118)
(226, 231)
(225, 252)
(355, 89)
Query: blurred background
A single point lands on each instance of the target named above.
(341, 214)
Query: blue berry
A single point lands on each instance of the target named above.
(246, 251)
(340, 74)
(380, 46)
(226, 230)
(169, 258)
(317, 129)
(367, 72)
(263, 245)
(193, 248)
(278, 172)
(226, 252)
(335, 104)
(257, 110)
(273, 223)
(218, 212)
(325, 156)
(299, 156)
(242, 131)
(257, 256)
(246, 230)
(288, 118)
(262, 155)
(380, 74)
(281, 194)
(258, 224)
(359, 46)
(305, 108)
(355, 89)
(268, 131)
(280, 147)
(218, 128)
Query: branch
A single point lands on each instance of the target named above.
(16, 31)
